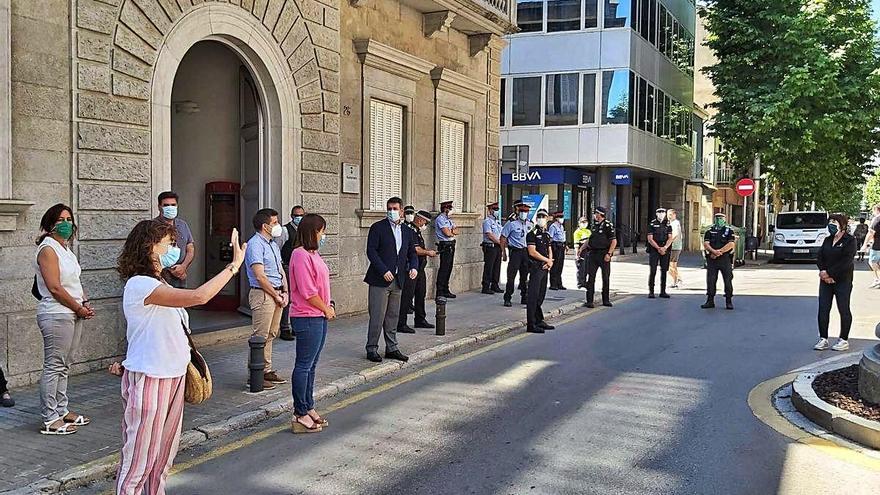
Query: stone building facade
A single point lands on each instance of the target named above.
(105, 103)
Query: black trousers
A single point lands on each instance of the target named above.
(724, 266)
(596, 260)
(517, 261)
(3, 388)
(413, 295)
(841, 291)
(537, 291)
(491, 266)
(447, 256)
(582, 271)
(655, 259)
(558, 264)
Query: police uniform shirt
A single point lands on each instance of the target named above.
(540, 238)
(418, 240)
(442, 222)
(660, 231)
(493, 226)
(718, 237)
(602, 234)
(557, 232)
(515, 231)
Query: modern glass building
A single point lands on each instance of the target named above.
(605, 86)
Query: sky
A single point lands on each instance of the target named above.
(875, 7)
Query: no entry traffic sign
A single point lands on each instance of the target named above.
(745, 187)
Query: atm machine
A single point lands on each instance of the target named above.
(222, 207)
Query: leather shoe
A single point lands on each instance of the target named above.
(590, 305)
(487, 291)
(405, 329)
(554, 288)
(607, 304)
(651, 295)
(708, 304)
(286, 334)
(561, 287)
(545, 325)
(535, 330)
(498, 290)
(664, 295)
(729, 304)
(507, 303)
(396, 355)
(450, 295)
(374, 357)
(423, 324)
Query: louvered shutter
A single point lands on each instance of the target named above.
(452, 149)
(386, 152)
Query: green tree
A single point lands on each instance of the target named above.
(872, 190)
(798, 83)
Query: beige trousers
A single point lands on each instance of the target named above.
(266, 316)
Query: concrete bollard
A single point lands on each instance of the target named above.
(256, 362)
(440, 316)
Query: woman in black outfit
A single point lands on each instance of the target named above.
(836, 280)
(5, 398)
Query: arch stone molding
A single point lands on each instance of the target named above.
(126, 53)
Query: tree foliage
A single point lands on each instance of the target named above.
(872, 190)
(798, 82)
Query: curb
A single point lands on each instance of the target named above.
(105, 467)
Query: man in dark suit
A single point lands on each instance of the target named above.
(392, 255)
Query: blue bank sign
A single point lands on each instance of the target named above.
(551, 175)
(621, 177)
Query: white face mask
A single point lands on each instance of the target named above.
(661, 216)
(542, 222)
(523, 215)
(423, 227)
(276, 230)
(410, 218)
(560, 220)
(582, 225)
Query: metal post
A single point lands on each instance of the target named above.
(256, 362)
(440, 315)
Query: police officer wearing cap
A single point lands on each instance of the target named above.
(491, 250)
(446, 231)
(541, 261)
(598, 251)
(414, 291)
(557, 236)
(719, 243)
(513, 245)
(659, 242)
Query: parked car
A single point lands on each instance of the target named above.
(798, 235)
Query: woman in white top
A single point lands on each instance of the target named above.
(158, 353)
(59, 315)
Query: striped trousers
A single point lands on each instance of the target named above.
(151, 422)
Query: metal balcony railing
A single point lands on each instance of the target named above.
(724, 175)
(506, 9)
(700, 172)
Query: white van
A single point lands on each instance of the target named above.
(798, 235)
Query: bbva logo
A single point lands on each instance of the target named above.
(621, 176)
(534, 175)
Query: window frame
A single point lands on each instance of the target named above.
(580, 24)
(467, 147)
(540, 102)
(578, 97)
(368, 198)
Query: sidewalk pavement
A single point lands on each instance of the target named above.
(34, 463)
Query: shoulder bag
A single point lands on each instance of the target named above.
(199, 385)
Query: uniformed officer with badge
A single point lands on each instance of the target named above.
(446, 231)
(491, 251)
(414, 290)
(513, 245)
(659, 242)
(598, 251)
(541, 261)
(557, 236)
(719, 243)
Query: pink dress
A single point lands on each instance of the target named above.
(309, 277)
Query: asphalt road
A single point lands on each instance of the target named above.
(648, 397)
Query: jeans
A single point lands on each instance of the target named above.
(61, 335)
(842, 292)
(310, 335)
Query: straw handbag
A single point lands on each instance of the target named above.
(199, 385)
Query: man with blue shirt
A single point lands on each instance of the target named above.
(557, 236)
(513, 241)
(491, 250)
(445, 230)
(268, 285)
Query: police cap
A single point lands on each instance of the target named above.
(409, 209)
(601, 210)
(424, 214)
(542, 213)
(558, 214)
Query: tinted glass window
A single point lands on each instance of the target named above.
(801, 220)
(530, 15)
(615, 97)
(643, 89)
(589, 99)
(527, 101)
(618, 13)
(591, 14)
(563, 15)
(649, 110)
(503, 101)
(561, 103)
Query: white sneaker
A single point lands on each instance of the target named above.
(821, 345)
(841, 345)
(874, 284)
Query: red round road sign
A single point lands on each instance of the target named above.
(745, 187)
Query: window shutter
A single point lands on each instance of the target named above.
(452, 150)
(386, 152)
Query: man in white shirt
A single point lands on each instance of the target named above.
(677, 245)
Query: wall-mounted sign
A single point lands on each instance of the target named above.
(551, 175)
(621, 177)
(351, 178)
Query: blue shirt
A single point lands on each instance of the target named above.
(266, 253)
(442, 222)
(493, 226)
(515, 232)
(557, 232)
(398, 235)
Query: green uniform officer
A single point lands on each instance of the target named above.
(719, 243)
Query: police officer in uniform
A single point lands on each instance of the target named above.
(446, 231)
(557, 236)
(719, 243)
(414, 291)
(541, 261)
(513, 245)
(491, 251)
(598, 251)
(659, 242)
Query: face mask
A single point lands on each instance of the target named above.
(64, 229)
(493, 214)
(582, 225)
(410, 218)
(523, 215)
(170, 257)
(721, 222)
(833, 229)
(322, 241)
(423, 227)
(297, 219)
(449, 212)
(661, 217)
(560, 220)
(276, 230)
(169, 212)
(542, 222)
(393, 215)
